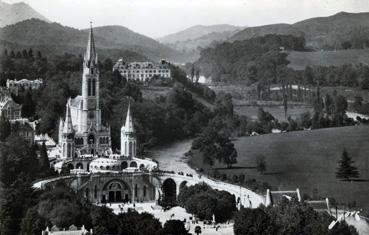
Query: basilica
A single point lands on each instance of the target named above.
(84, 142)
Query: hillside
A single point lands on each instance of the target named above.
(197, 31)
(299, 160)
(251, 32)
(56, 38)
(299, 60)
(191, 40)
(321, 32)
(14, 13)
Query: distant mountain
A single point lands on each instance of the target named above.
(191, 40)
(122, 37)
(14, 13)
(321, 32)
(197, 31)
(110, 40)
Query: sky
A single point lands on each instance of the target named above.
(156, 18)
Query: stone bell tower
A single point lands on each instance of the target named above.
(91, 114)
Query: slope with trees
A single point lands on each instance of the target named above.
(56, 39)
(321, 32)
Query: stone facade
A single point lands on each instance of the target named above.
(142, 71)
(16, 85)
(8, 108)
(84, 142)
(83, 116)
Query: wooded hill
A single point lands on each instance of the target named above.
(112, 41)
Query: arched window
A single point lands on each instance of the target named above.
(89, 87)
(130, 149)
(94, 87)
(134, 148)
(125, 148)
(69, 154)
(133, 164)
(123, 165)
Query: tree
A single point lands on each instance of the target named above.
(192, 73)
(44, 160)
(346, 170)
(261, 164)
(197, 75)
(358, 102)
(174, 227)
(134, 223)
(346, 45)
(5, 128)
(253, 222)
(198, 230)
(28, 107)
(33, 223)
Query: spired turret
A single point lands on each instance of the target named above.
(90, 60)
(67, 142)
(127, 138)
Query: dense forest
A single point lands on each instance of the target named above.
(263, 60)
(169, 118)
(252, 59)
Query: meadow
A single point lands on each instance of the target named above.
(299, 60)
(307, 160)
(277, 111)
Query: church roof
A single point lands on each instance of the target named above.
(76, 102)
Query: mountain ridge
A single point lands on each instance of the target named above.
(17, 12)
(327, 32)
(36, 33)
(196, 31)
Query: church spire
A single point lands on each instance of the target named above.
(90, 56)
(129, 123)
(68, 126)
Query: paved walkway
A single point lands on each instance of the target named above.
(171, 158)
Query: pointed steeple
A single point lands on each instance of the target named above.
(128, 127)
(68, 126)
(90, 56)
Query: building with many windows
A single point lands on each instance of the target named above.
(8, 108)
(143, 71)
(15, 86)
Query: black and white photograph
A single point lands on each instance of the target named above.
(184, 117)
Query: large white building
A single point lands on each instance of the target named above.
(142, 71)
(84, 142)
(15, 85)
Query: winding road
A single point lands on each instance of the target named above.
(172, 158)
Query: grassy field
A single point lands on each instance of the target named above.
(299, 60)
(308, 160)
(276, 111)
